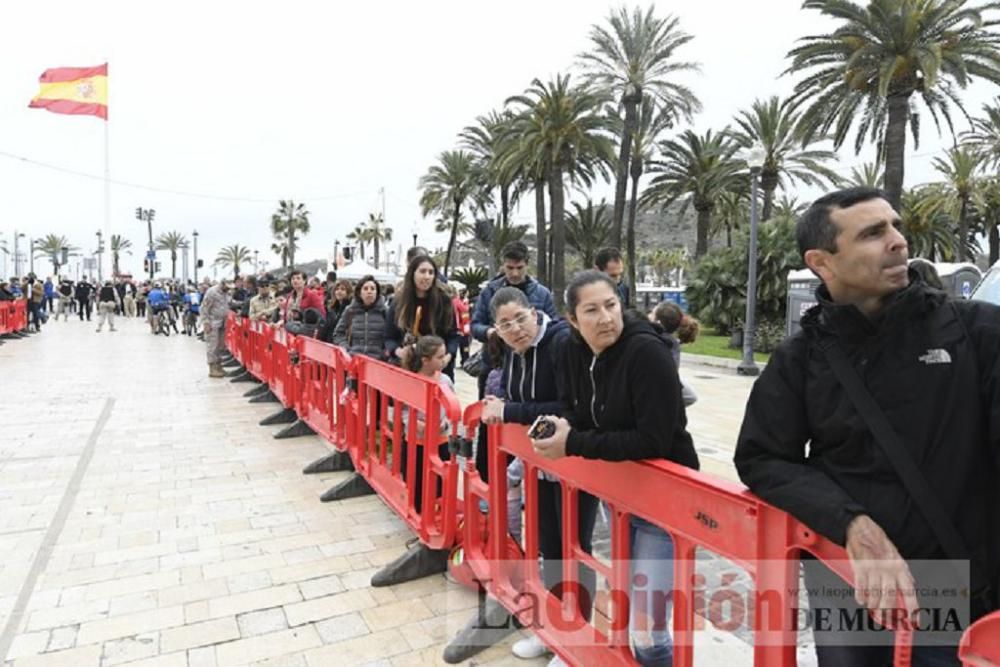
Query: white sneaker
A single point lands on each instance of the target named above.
(556, 661)
(530, 647)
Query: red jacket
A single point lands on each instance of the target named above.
(310, 299)
(461, 309)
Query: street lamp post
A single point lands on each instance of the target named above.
(194, 235)
(100, 254)
(755, 160)
(17, 253)
(414, 230)
(31, 255)
(148, 214)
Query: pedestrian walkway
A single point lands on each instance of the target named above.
(149, 520)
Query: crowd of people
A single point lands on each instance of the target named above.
(812, 443)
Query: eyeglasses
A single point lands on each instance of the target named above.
(519, 321)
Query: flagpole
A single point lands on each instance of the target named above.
(107, 176)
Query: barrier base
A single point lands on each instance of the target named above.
(298, 428)
(226, 356)
(284, 416)
(256, 391)
(336, 462)
(245, 376)
(231, 363)
(234, 371)
(491, 625)
(354, 486)
(265, 397)
(419, 562)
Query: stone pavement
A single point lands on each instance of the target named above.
(148, 520)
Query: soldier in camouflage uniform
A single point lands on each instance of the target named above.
(214, 310)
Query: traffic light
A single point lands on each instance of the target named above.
(157, 267)
(347, 252)
(201, 263)
(145, 266)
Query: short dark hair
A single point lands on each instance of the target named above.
(516, 251)
(297, 273)
(506, 295)
(816, 231)
(331, 276)
(606, 255)
(416, 251)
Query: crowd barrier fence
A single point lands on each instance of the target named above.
(357, 405)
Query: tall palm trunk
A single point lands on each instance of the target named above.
(504, 204)
(291, 245)
(895, 146)
(558, 206)
(173, 265)
(454, 233)
(375, 245)
(631, 97)
(994, 244)
(768, 183)
(636, 173)
(540, 255)
(114, 264)
(963, 228)
(704, 221)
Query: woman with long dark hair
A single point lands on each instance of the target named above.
(421, 308)
(361, 328)
(612, 364)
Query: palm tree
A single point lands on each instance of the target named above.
(960, 170)
(870, 175)
(234, 255)
(635, 56)
(985, 134)
(882, 59)
(447, 187)
(361, 236)
(494, 235)
(377, 232)
(700, 168)
(487, 140)
(289, 222)
(281, 250)
(51, 246)
(732, 209)
(588, 229)
(172, 241)
(928, 223)
(562, 132)
(119, 244)
(986, 202)
(652, 122)
(771, 125)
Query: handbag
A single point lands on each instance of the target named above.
(928, 504)
(476, 364)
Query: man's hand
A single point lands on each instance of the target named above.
(881, 575)
(492, 410)
(554, 447)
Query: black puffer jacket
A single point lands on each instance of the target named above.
(361, 329)
(626, 403)
(933, 366)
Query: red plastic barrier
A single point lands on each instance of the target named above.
(380, 431)
(231, 325)
(258, 350)
(19, 318)
(5, 311)
(323, 373)
(981, 643)
(702, 512)
(284, 378)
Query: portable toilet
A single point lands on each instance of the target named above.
(959, 278)
(802, 285)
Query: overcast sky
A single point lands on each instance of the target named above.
(244, 103)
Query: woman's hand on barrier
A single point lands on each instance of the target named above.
(492, 410)
(554, 447)
(881, 575)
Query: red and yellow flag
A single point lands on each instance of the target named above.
(74, 90)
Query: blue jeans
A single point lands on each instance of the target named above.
(652, 577)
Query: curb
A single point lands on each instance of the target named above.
(716, 362)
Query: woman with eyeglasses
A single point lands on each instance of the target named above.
(533, 348)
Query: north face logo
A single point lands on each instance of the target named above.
(936, 357)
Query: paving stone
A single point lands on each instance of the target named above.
(262, 622)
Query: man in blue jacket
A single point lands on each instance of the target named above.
(515, 274)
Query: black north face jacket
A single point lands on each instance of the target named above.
(933, 366)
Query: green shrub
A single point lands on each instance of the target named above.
(716, 289)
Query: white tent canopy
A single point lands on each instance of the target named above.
(358, 269)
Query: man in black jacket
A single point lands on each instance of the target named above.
(933, 367)
(83, 292)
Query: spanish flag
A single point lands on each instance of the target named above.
(74, 90)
